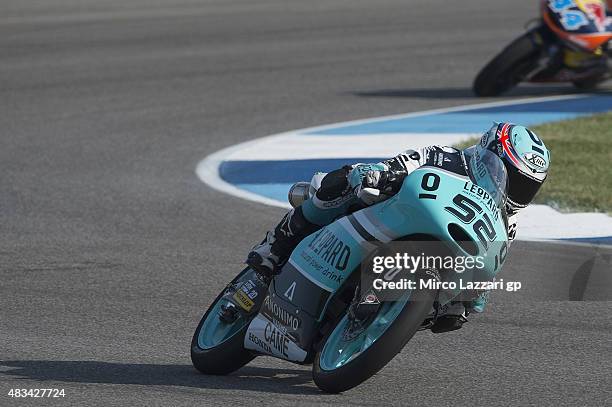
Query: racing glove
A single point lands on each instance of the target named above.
(373, 183)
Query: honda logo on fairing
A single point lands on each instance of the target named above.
(265, 337)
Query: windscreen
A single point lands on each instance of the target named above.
(487, 171)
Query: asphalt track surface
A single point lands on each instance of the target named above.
(111, 248)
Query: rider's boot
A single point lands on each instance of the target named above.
(364, 305)
(265, 258)
(450, 318)
(262, 259)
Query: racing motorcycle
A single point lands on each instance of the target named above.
(316, 309)
(569, 43)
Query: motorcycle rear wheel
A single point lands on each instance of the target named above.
(335, 372)
(509, 67)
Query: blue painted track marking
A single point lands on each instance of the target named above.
(283, 171)
(474, 121)
(267, 179)
(606, 240)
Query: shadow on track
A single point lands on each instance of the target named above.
(462, 93)
(581, 277)
(273, 380)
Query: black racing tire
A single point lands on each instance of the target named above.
(225, 358)
(368, 363)
(509, 67)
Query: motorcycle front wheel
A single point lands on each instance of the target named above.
(217, 346)
(509, 67)
(346, 360)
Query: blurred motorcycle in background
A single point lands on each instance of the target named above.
(568, 44)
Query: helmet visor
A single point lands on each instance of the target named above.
(522, 187)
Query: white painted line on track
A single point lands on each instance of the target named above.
(208, 172)
(297, 145)
(303, 147)
(208, 169)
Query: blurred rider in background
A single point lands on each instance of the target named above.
(573, 58)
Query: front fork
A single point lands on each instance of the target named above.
(550, 52)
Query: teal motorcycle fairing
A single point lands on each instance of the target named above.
(461, 211)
